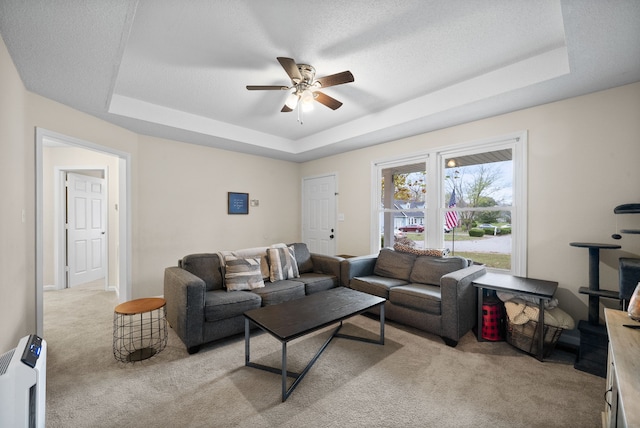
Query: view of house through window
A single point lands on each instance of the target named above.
(462, 200)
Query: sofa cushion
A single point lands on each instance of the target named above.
(314, 282)
(303, 257)
(393, 264)
(376, 285)
(425, 298)
(280, 291)
(205, 266)
(282, 264)
(220, 304)
(242, 274)
(429, 270)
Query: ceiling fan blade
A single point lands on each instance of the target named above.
(266, 88)
(286, 109)
(328, 101)
(335, 79)
(291, 68)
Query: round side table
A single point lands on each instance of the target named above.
(139, 329)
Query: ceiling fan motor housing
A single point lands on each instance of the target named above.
(308, 73)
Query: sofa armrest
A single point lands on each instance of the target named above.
(459, 301)
(356, 266)
(326, 264)
(184, 293)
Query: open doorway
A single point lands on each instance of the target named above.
(57, 155)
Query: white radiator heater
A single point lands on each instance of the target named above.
(23, 373)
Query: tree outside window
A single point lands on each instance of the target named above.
(484, 198)
(488, 179)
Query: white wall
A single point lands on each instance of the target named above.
(17, 236)
(583, 160)
(179, 193)
(182, 205)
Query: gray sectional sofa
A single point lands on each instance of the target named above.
(433, 294)
(201, 308)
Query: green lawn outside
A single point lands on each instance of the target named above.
(460, 236)
(448, 237)
(494, 260)
(498, 261)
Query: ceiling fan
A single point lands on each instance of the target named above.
(306, 86)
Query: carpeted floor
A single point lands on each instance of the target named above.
(414, 380)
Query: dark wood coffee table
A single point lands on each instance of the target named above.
(293, 319)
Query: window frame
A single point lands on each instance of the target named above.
(434, 207)
(376, 178)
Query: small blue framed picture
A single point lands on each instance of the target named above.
(238, 203)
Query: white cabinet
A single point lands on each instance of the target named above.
(623, 372)
(611, 417)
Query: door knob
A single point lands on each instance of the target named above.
(330, 236)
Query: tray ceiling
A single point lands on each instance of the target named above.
(178, 70)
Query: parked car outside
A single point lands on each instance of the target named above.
(412, 228)
(488, 226)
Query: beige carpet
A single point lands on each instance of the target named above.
(414, 380)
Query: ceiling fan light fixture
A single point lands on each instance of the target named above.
(307, 100)
(292, 100)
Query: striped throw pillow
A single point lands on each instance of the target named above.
(282, 264)
(242, 274)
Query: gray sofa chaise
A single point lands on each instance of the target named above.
(201, 308)
(433, 294)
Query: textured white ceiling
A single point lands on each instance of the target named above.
(179, 69)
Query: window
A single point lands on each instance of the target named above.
(479, 202)
(402, 203)
(470, 199)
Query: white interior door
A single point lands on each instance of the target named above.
(86, 228)
(319, 214)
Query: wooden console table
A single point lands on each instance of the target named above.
(623, 394)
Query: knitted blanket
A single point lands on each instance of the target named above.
(521, 312)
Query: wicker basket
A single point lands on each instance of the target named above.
(526, 337)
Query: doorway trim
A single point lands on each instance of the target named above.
(45, 137)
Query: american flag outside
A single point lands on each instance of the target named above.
(451, 217)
